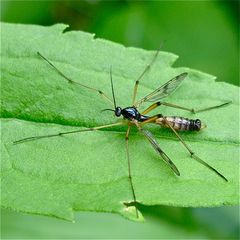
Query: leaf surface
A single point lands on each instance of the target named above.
(88, 171)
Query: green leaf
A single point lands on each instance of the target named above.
(88, 171)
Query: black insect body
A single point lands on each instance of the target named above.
(132, 117)
(178, 123)
(131, 113)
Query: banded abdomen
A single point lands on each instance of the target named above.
(180, 123)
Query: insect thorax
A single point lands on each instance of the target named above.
(132, 113)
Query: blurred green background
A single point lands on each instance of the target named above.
(205, 36)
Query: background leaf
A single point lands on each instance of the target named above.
(88, 171)
(161, 222)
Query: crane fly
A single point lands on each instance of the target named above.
(132, 117)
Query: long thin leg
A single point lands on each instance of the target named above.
(151, 119)
(157, 148)
(129, 168)
(154, 105)
(102, 94)
(142, 74)
(68, 132)
(193, 155)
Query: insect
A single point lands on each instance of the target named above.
(132, 117)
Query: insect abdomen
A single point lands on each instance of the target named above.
(180, 123)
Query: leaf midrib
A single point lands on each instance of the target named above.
(136, 133)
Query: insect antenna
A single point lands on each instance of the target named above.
(113, 95)
(107, 109)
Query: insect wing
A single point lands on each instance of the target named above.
(156, 146)
(164, 90)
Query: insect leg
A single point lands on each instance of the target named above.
(74, 82)
(129, 169)
(154, 105)
(151, 119)
(213, 107)
(68, 132)
(142, 74)
(157, 148)
(151, 107)
(193, 155)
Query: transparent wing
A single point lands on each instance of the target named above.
(163, 90)
(157, 148)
